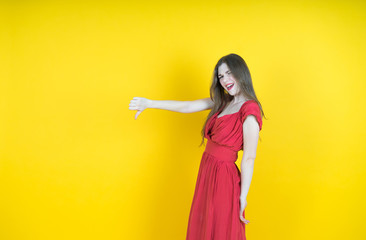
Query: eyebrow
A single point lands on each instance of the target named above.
(226, 72)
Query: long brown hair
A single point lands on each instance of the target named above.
(219, 95)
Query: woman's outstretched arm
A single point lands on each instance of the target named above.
(140, 104)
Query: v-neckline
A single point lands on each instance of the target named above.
(234, 112)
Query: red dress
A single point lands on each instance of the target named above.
(215, 208)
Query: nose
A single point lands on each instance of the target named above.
(226, 79)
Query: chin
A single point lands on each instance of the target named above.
(233, 92)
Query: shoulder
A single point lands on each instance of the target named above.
(251, 107)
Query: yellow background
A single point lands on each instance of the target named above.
(75, 164)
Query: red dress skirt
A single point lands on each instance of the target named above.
(215, 208)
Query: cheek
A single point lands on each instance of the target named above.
(237, 90)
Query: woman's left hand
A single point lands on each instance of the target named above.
(243, 205)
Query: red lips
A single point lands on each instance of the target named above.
(232, 85)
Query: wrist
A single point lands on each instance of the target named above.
(150, 103)
(243, 198)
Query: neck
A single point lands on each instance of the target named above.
(238, 98)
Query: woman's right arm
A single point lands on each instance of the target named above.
(140, 104)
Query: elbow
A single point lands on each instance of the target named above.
(249, 159)
(185, 108)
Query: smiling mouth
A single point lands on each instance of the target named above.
(230, 86)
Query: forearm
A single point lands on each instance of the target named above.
(247, 167)
(171, 105)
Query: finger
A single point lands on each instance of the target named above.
(138, 113)
(245, 220)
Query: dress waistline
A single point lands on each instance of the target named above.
(221, 152)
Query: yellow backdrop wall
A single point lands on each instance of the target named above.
(75, 164)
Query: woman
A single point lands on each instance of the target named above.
(233, 124)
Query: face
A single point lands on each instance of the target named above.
(227, 80)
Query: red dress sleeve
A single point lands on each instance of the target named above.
(252, 108)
